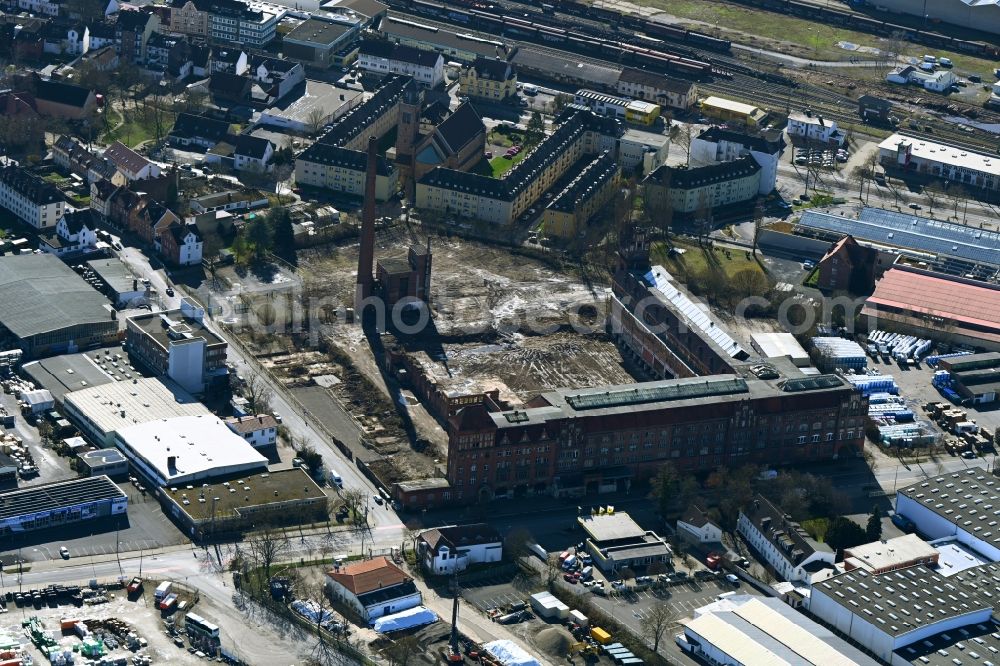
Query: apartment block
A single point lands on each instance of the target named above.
(30, 198)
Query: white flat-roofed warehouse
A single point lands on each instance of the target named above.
(187, 449)
(57, 504)
(748, 630)
(49, 309)
(953, 163)
(100, 411)
(320, 102)
(886, 613)
(964, 505)
(776, 345)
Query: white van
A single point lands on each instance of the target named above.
(162, 590)
(529, 89)
(335, 479)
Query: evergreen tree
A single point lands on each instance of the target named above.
(260, 237)
(844, 533)
(874, 528)
(280, 221)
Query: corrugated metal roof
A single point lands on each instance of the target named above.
(659, 278)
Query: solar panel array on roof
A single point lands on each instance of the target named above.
(638, 396)
(659, 278)
(64, 494)
(888, 227)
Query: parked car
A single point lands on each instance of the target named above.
(378, 499)
(64, 552)
(733, 579)
(569, 578)
(170, 291)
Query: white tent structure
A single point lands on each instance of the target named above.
(417, 616)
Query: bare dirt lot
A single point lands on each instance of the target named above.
(526, 322)
(530, 364)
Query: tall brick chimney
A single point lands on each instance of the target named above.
(366, 253)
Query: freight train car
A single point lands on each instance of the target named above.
(675, 34)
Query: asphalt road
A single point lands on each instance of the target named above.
(293, 418)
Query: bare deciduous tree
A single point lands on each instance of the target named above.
(258, 393)
(266, 548)
(655, 623)
(402, 650)
(354, 499)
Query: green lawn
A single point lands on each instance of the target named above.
(501, 165)
(696, 260)
(816, 528)
(139, 128)
(800, 37)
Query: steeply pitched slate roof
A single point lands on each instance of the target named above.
(180, 232)
(401, 52)
(474, 417)
(857, 254)
(17, 104)
(29, 185)
(685, 178)
(695, 516)
(224, 83)
(132, 20)
(494, 69)
(461, 127)
(251, 146)
(460, 536)
(191, 126)
(757, 143)
(125, 158)
(62, 93)
(368, 575)
(105, 188)
(76, 220)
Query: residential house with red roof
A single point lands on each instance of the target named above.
(372, 588)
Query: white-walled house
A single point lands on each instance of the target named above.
(28, 197)
(815, 128)
(372, 588)
(76, 231)
(384, 58)
(132, 164)
(260, 430)
(696, 526)
(716, 144)
(252, 153)
(445, 550)
(782, 543)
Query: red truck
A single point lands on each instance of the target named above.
(135, 586)
(168, 602)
